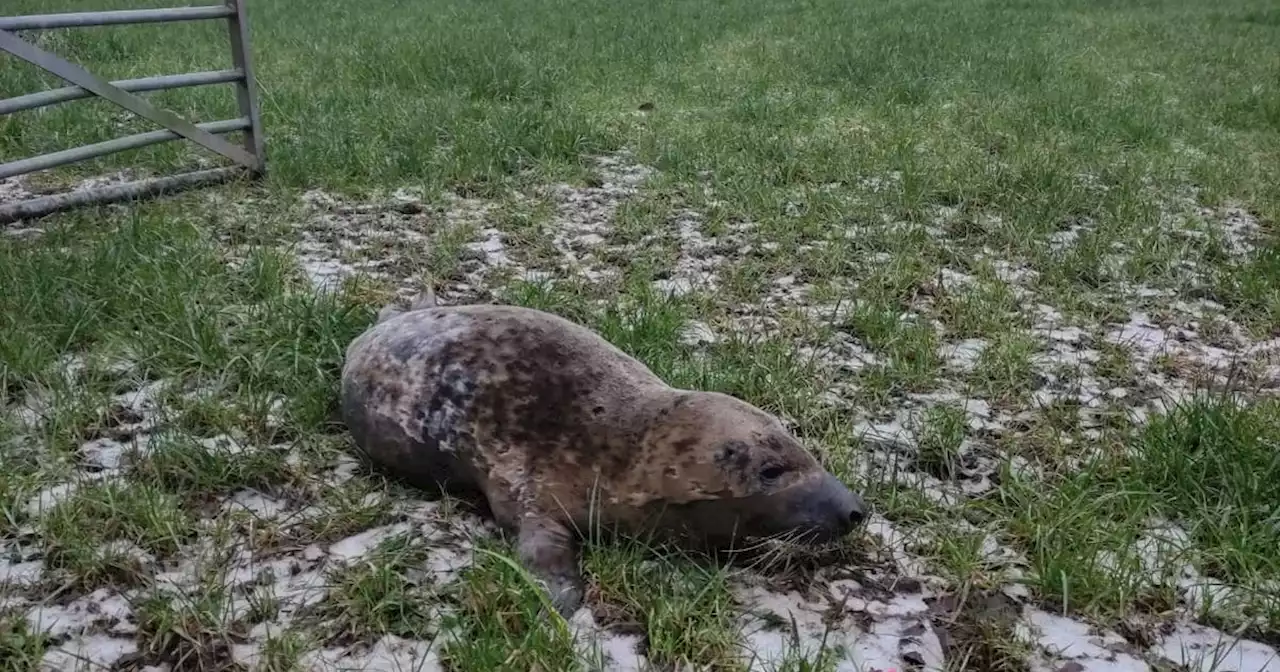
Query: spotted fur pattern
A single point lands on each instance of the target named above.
(559, 431)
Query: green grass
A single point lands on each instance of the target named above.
(77, 533)
(22, 648)
(186, 466)
(503, 622)
(1004, 371)
(869, 145)
(378, 597)
(189, 632)
(1210, 467)
(1003, 103)
(940, 440)
(684, 608)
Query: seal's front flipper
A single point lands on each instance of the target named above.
(549, 551)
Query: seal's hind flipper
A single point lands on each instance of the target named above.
(425, 299)
(387, 312)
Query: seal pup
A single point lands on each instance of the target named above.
(557, 430)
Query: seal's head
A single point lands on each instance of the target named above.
(727, 470)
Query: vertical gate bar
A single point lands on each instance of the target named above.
(246, 88)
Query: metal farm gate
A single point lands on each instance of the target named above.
(248, 156)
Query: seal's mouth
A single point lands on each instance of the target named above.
(813, 514)
(823, 535)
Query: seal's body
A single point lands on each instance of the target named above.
(559, 431)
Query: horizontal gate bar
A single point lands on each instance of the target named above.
(32, 101)
(78, 76)
(126, 16)
(61, 158)
(46, 205)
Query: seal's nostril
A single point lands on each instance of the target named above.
(843, 510)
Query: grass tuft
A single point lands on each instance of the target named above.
(201, 469)
(108, 533)
(684, 608)
(377, 596)
(188, 633)
(501, 622)
(20, 649)
(943, 433)
(1209, 467)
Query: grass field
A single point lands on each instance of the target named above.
(1010, 268)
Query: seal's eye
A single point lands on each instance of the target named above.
(772, 473)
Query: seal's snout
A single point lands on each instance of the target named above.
(845, 510)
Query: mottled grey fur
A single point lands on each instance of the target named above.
(559, 431)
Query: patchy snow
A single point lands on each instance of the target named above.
(1063, 240)
(256, 504)
(778, 626)
(107, 454)
(1061, 641)
(1211, 650)
(963, 355)
(842, 354)
(20, 574)
(101, 609)
(91, 653)
(50, 497)
(696, 267)
(326, 275)
(616, 652)
(1178, 359)
(697, 333)
(357, 546)
(896, 542)
(492, 249)
(1064, 643)
(389, 654)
